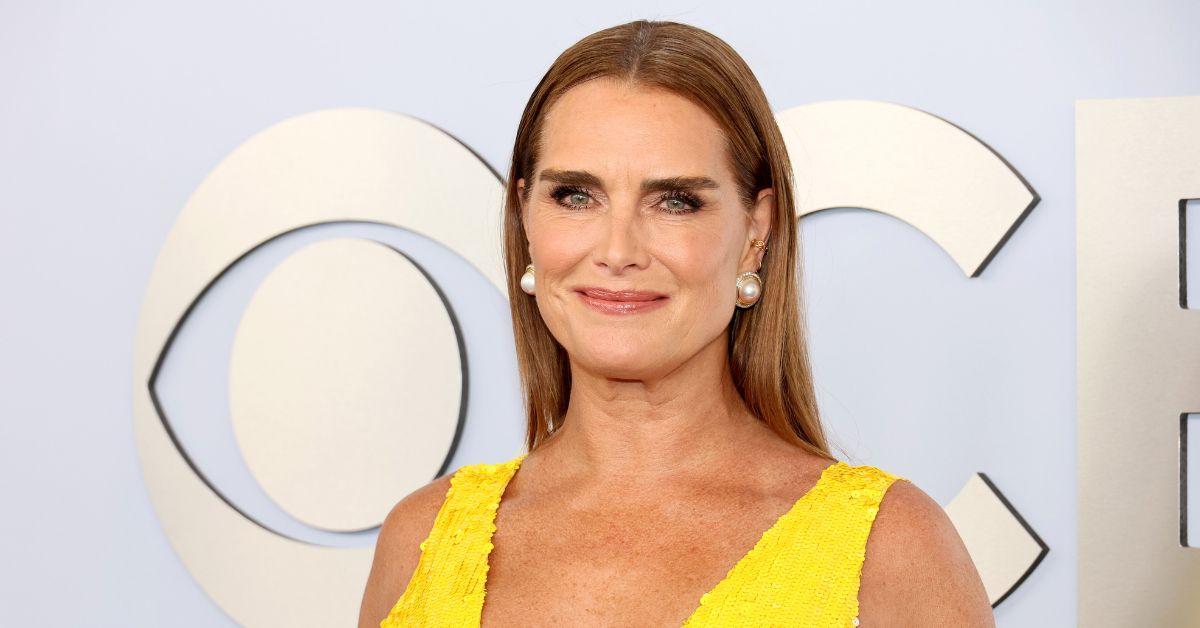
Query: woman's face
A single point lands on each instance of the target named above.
(636, 230)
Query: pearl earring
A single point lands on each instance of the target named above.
(527, 283)
(749, 289)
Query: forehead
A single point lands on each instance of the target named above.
(615, 129)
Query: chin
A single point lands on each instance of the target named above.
(621, 360)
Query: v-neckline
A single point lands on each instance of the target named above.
(744, 559)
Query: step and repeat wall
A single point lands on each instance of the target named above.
(349, 372)
(273, 238)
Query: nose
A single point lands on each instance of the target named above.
(620, 246)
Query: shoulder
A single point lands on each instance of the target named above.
(917, 570)
(397, 549)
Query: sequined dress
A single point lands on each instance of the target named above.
(803, 571)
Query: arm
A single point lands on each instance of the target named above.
(917, 571)
(397, 550)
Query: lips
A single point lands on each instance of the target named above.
(621, 295)
(620, 301)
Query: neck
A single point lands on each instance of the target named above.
(648, 430)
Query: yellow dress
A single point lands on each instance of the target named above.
(803, 571)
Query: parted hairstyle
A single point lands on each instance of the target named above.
(767, 352)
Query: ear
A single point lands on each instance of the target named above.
(760, 218)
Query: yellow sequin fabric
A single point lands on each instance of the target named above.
(803, 571)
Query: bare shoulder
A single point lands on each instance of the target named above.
(397, 550)
(917, 570)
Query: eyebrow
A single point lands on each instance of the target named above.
(584, 178)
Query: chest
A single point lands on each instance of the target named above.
(492, 562)
(616, 567)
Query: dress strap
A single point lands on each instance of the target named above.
(805, 570)
(447, 586)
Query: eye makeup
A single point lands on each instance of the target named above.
(693, 203)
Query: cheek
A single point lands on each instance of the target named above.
(700, 258)
(557, 244)
(704, 274)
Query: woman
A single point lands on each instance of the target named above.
(677, 471)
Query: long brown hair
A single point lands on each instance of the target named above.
(767, 350)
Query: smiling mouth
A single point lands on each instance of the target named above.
(620, 301)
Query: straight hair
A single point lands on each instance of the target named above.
(767, 350)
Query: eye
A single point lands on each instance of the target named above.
(680, 202)
(571, 196)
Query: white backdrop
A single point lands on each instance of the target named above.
(111, 116)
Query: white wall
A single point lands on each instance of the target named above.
(111, 115)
